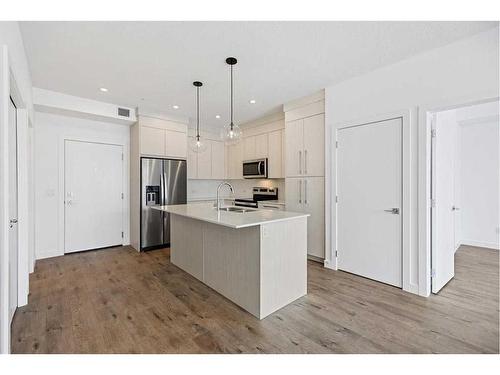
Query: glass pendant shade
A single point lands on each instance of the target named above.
(231, 133)
(196, 144)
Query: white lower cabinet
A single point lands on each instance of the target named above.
(307, 194)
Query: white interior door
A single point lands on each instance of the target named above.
(93, 195)
(13, 228)
(369, 186)
(444, 145)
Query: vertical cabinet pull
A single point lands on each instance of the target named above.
(305, 191)
(300, 162)
(300, 191)
(305, 161)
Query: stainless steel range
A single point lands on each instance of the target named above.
(259, 194)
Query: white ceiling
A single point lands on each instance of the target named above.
(153, 64)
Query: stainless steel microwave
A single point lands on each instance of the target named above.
(255, 168)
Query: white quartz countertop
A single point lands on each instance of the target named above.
(206, 212)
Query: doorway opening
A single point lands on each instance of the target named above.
(465, 173)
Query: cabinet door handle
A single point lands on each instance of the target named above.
(305, 161)
(300, 162)
(305, 191)
(300, 191)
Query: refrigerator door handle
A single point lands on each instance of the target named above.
(162, 188)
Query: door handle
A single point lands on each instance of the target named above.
(394, 211)
(12, 222)
(455, 208)
(300, 162)
(300, 191)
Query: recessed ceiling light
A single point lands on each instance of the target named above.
(252, 101)
(217, 116)
(175, 107)
(103, 89)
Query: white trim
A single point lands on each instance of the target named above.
(488, 245)
(408, 123)
(125, 186)
(22, 193)
(303, 101)
(4, 202)
(424, 178)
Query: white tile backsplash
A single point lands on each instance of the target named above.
(206, 189)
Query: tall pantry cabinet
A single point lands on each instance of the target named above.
(305, 167)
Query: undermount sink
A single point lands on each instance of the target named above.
(240, 210)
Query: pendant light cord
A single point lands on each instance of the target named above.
(231, 97)
(198, 113)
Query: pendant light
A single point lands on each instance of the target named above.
(231, 133)
(196, 144)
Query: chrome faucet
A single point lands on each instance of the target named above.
(218, 190)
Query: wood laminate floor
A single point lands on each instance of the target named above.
(121, 301)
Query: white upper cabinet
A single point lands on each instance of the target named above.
(294, 133)
(218, 166)
(205, 162)
(162, 138)
(314, 145)
(209, 164)
(234, 161)
(152, 141)
(305, 147)
(192, 164)
(275, 155)
(261, 146)
(249, 148)
(176, 144)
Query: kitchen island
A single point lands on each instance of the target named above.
(257, 258)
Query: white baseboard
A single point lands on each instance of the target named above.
(49, 254)
(489, 245)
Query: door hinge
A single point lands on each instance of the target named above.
(433, 272)
(433, 133)
(433, 203)
(122, 234)
(122, 195)
(122, 156)
(336, 199)
(336, 144)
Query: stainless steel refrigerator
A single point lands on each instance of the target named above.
(163, 181)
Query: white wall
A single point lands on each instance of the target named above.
(479, 183)
(50, 130)
(458, 73)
